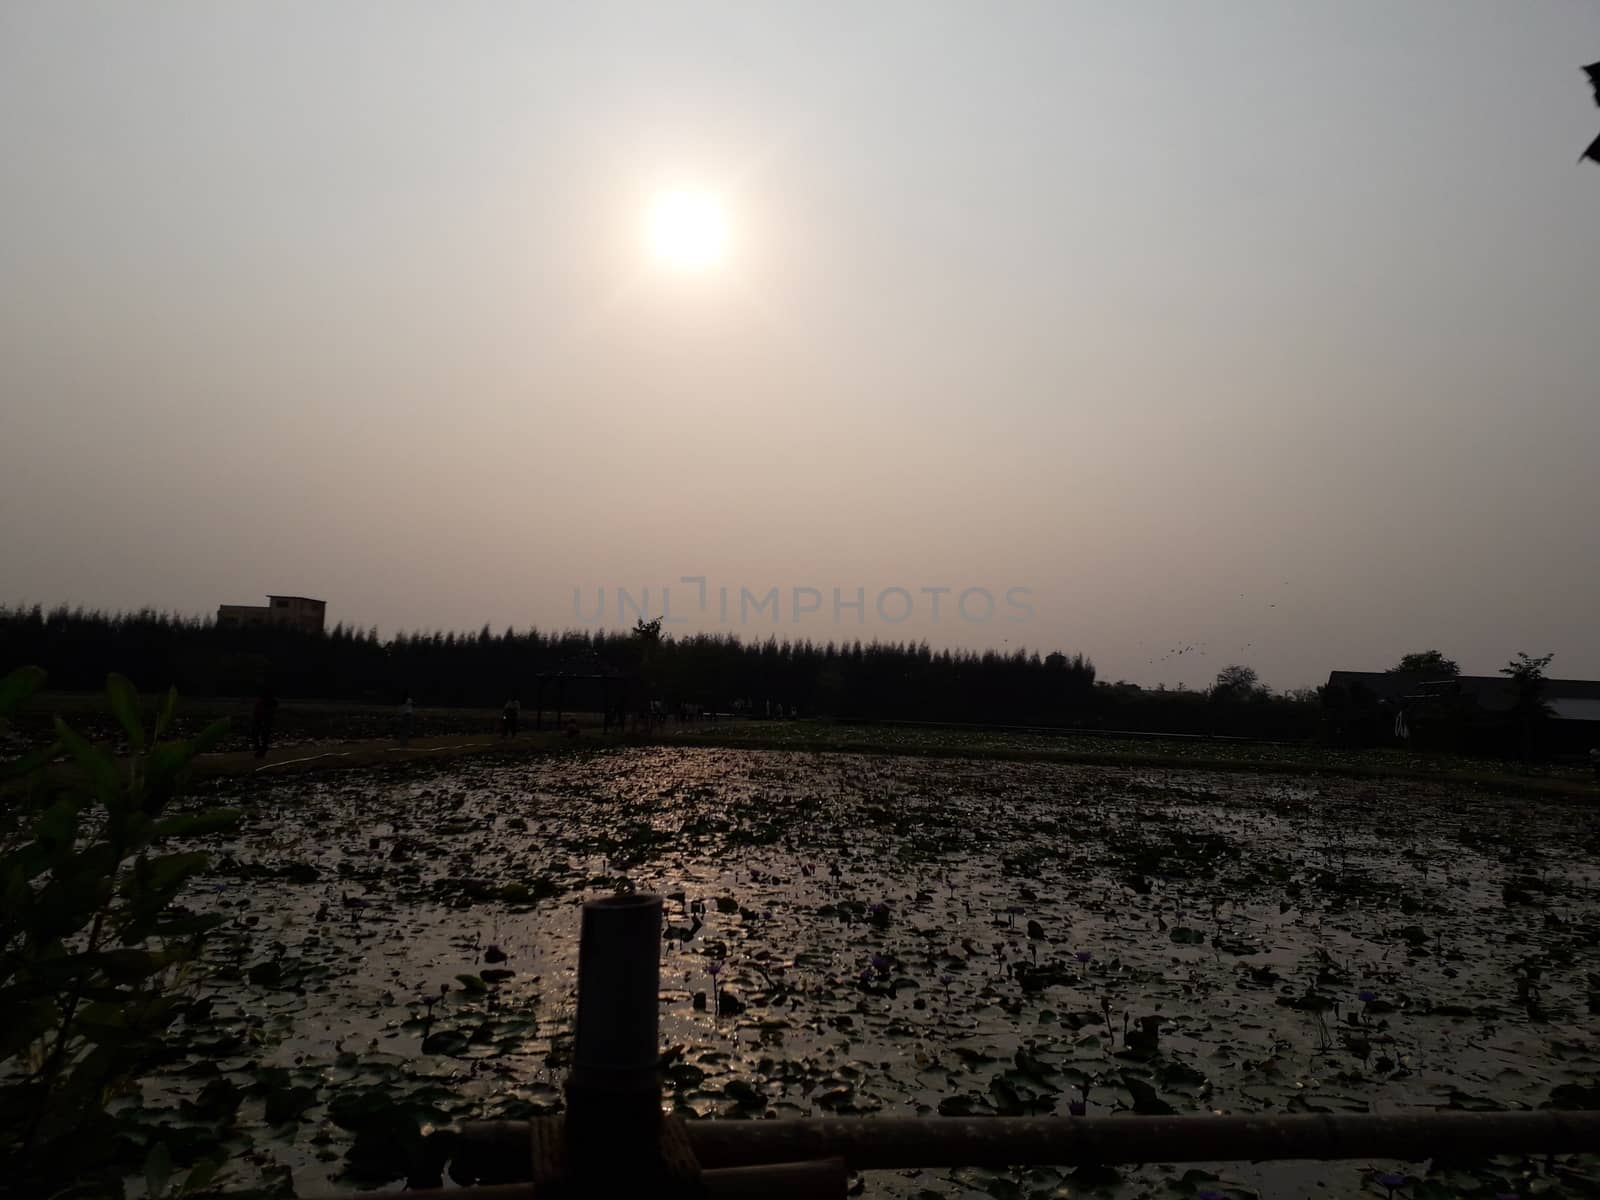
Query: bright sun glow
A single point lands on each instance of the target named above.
(688, 229)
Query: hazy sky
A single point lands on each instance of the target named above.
(1211, 324)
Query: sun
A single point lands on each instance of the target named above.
(688, 229)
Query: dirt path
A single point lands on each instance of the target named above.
(323, 756)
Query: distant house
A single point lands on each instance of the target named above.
(1573, 704)
(296, 612)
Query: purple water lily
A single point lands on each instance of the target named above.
(1210, 1194)
(1084, 956)
(1366, 995)
(1077, 1108)
(880, 964)
(1390, 1181)
(715, 967)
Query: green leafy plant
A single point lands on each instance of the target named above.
(95, 954)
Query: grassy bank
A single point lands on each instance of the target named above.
(318, 736)
(1304, 759)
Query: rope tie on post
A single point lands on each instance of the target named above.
(677, 1156)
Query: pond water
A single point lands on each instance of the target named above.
(893, 936)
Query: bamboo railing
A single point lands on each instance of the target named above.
(610, 1140)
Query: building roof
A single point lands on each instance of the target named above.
(307, 599)
(1566, 708)
(1493, 692)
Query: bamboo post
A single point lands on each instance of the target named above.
(614, 1089)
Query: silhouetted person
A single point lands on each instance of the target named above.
(508, 717)
(408, 720)
(261, 717)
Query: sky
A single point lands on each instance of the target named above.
(1267, 329)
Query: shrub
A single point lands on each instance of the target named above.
(94, 952)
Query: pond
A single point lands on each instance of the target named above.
(859, 935)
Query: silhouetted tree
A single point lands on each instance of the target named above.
(1237, 682)
(1426, 662)
(891, 680)
(1528, 709)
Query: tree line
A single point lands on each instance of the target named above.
(863, 680)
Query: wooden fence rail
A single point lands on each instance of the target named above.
(498, 1150)
(613, 1141)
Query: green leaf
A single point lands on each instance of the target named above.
(77, 1098)
(131, 965)
(96, 763)
(170, 870)
(64, 906)
(57, 825)
(17, 687)
(208, 737)
(471, 983)
(18, 869)
(158, 1170)
(106, 1023)
(124, 699)
(23, 1024)
(167, 762)
(200, 1177)
(164, 721)
(175, 927)
(30, 762)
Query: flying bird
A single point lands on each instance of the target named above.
(1593, 72)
